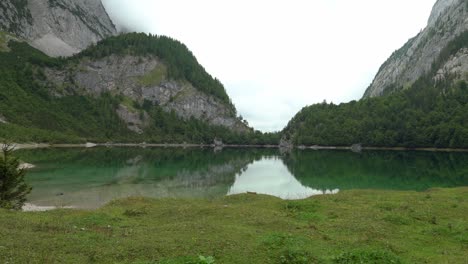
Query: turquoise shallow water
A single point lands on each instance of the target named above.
(89, 178)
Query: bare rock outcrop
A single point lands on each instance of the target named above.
(141, 79)
(457, 66)
(135, 121)
(449, 18)
(57, 27)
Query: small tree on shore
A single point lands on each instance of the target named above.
(13, 189)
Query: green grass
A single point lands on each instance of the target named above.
(129, 103)
(4, 39)
(350, 227)
(155, 77)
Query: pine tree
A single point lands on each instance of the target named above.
(13, 189)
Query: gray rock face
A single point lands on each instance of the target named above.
(285, 143)
(57, 27)
(439, 7)
(135, 121)
(448, 19)
(139, 79)
(14, 16)
(457, 66)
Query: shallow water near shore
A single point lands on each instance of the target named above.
(90, 178)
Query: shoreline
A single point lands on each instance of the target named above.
(18, 146)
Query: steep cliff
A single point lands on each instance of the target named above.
(140, 79)
(448, 20)
(57, 27)
(146, 70)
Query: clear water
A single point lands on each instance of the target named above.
(89, 178)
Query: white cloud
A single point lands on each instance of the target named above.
(274, 57)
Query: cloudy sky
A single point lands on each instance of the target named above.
(275, 57)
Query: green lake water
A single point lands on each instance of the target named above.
(89, 178)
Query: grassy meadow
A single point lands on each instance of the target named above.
(350, 227)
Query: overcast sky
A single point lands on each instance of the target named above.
(275, 57)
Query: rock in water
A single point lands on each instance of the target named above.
(26, 166)
(218, 142)
(356, 148)
(90, 145)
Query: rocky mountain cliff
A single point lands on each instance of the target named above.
(448, 20)
(57, 27)
(140, 79)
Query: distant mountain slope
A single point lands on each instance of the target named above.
(432, 111)
(57, 27)
(449, 19)
(420, 116)
(129, 88)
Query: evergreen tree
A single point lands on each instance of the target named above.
(13, 189)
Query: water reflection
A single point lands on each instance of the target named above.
(92, 178)
(389, 170)
(270, 176)
(89, 178)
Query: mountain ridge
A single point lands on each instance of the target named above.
(448, 19)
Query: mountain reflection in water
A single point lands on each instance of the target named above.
(90, 178)
(270, 176)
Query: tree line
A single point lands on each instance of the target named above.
(429, 114)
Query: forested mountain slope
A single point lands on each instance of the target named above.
(419, 97)
(128, 88)
(432, 112)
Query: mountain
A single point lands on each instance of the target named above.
(424, 116)
(448, 20)
(57, 27)
(419, 98)
(132, 87)
(147, 69)
(66, 76)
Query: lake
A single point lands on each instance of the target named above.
(89, 178)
